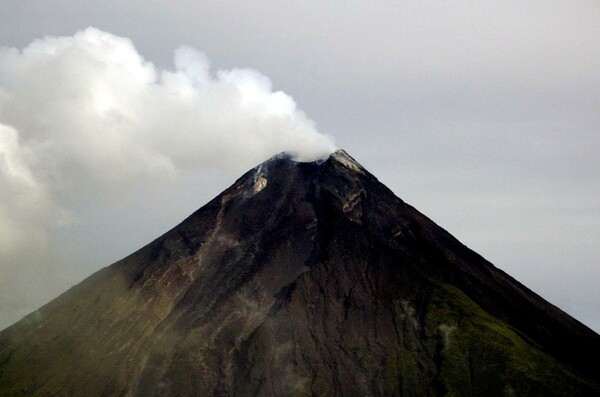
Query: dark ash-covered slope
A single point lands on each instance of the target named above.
(303, 279)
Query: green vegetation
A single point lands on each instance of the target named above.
(479, 355)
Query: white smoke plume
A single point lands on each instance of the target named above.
(86, 115)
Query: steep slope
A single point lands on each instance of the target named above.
(301, 279)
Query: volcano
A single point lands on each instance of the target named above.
(301, 279)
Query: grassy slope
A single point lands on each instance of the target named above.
(481, 356)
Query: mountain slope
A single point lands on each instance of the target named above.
(301, 279)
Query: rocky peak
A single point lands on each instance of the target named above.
(301, 279)
(343, 158)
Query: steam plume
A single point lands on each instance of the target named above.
(86, 115)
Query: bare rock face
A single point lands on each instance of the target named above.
(301, 279)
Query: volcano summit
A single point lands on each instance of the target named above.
(301, 279)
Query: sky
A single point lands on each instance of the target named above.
(119, 119)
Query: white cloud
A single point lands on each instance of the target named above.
(86, 117)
